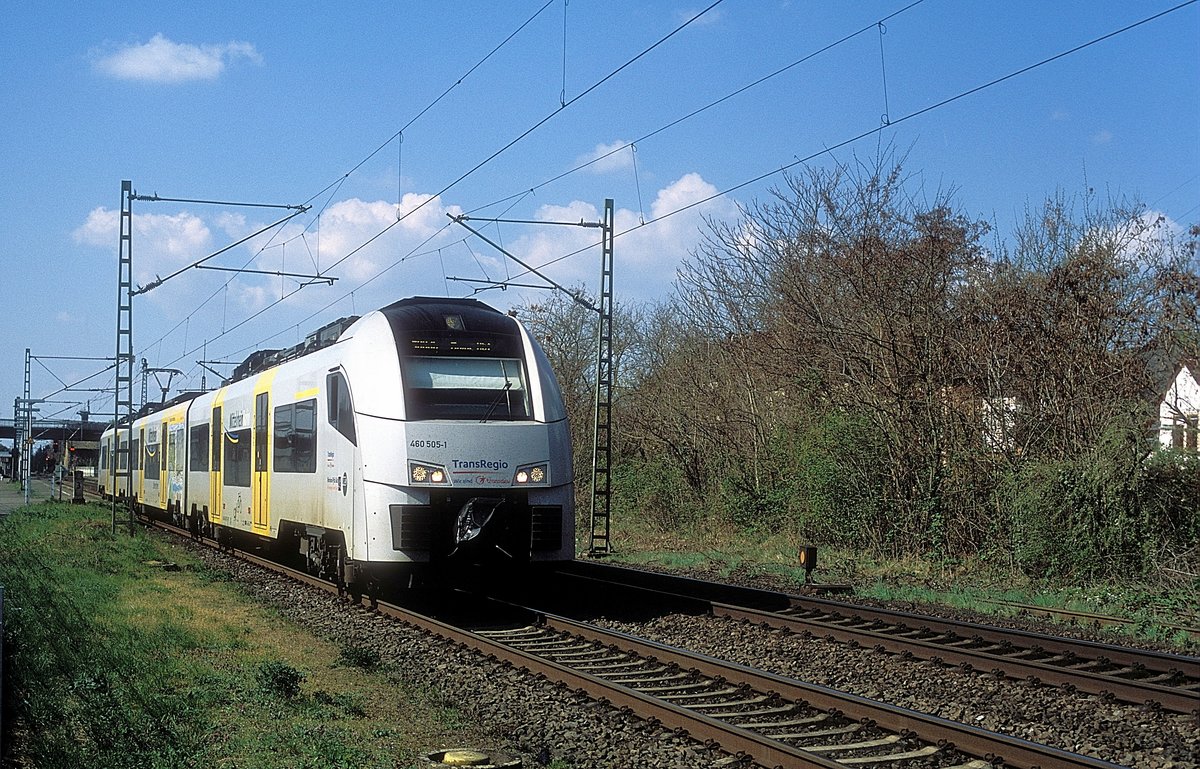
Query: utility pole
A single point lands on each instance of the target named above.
(600, 520)
(26, 407)
(15, 467)
(26, 432)
(123, 390)
(123, 403)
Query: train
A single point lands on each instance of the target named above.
(428, 434)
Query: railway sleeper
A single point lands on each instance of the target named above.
(759, 725)
(521, 632)
(601, 668)
(772, 711)
(851, 729)
(680, 687)
(541, 647)
(927, 750)
(890, 739)
(633, 680)
(717, 707)
(682, 697)
(585, 655)
(1164, 678)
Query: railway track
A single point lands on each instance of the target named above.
(1092, 619)
(772, 720)
(1145, 677)
(752, 716)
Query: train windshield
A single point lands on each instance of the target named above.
(485, 389)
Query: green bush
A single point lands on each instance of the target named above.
(819, 479)
(279, 679)
(1098, 516)
(359, 657)
(1171, 492)
(656, 491)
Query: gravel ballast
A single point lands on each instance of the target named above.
(521, 713)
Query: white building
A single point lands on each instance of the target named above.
(1179, 409)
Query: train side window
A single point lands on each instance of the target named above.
(162, 446)
(340, 410)
(152, 460)
(262, 416)
(136, 455)
(177, 438)
(199, 449)
(216, 440)
(237, 458)
(295, 438)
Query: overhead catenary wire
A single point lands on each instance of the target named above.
(335, 185)
(710, 105)
(644, 52)
(873, 131)
(432, 104)
(878, 129)
(531, 129)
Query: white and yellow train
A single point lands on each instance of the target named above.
(431, 431)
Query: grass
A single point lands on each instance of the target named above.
(126, 652)
(1151, 605)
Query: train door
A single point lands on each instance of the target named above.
(340, 466)
(260, 477)
(177, 466)
(214, 468)
(107, 470)
(164, 454)
(137, 479)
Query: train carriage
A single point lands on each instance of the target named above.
(157, 457)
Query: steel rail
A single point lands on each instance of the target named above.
(994, 748)
(730, 738)
(775, 609)
(1092, 618)
(1124, 689)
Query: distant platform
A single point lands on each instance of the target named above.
(13, 498)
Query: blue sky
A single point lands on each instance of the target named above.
(290, 103)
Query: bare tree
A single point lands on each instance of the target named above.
(850, 289)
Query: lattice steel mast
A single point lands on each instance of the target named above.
(123, 389)
(601, 522)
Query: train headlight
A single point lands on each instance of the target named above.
(532, 475)
(419, 472)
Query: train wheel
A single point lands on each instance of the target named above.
(341, 571)
(352, 576)
(315, 556)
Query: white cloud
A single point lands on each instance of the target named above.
(678, 213)
(164, 61)
(645, 259)
(162, 242)
(615, 156)
(1103, 136)
(1150, 234)
(348, 225)
(711, 17)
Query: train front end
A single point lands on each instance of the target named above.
(468, 461)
